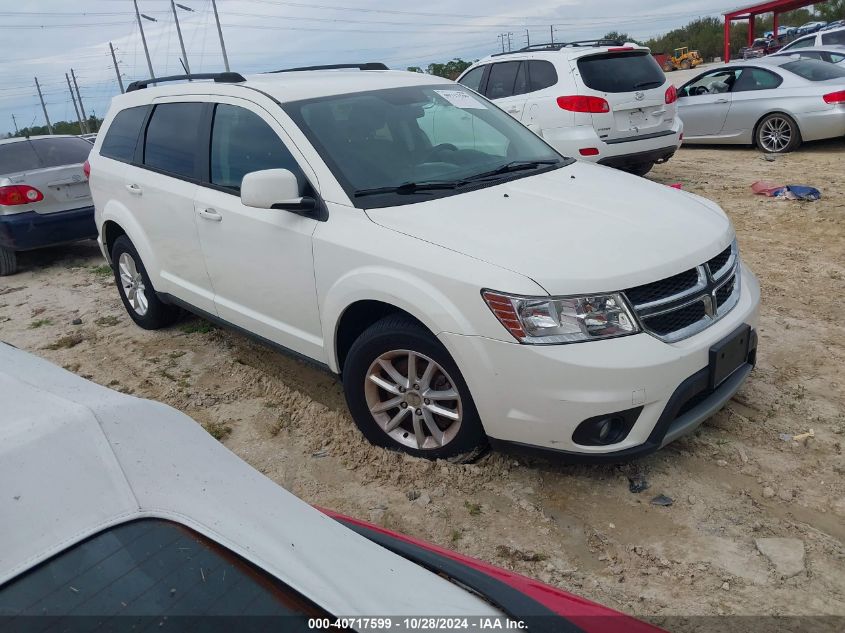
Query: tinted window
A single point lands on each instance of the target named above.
(814, 70)
(520, 87)
(150, 568)
(836, 57)
(39, 153)
(241, 142)
(621, 72)
(837, 37)
(501, 81)
(172, 138)
(122, 135)
(757, 79)
(472, 79)
(542, 74)
(802, 43)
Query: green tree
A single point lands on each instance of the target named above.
(831, 10)
(620, 37)
(450, 70)
(61, 127)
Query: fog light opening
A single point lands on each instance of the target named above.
(604, 430)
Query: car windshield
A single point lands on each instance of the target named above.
(814, 69)
(402, 145)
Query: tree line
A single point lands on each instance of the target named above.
(60, 127)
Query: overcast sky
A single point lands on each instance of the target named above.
(45, 38)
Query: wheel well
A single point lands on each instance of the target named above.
(357, 318)
(760, 120)
(111, 231)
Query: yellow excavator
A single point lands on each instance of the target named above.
(682, 58)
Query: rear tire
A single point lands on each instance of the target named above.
(777, 133)
(406, 393)
(8, 262)
(639, 170)
(136, 290)
(686, 64)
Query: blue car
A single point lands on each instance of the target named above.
(44, 195)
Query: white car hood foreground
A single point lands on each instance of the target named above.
(76, 458)
(581, 228)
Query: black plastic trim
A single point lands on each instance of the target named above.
(641, 137)
(655, 155)
(537, 617)
(213, 318)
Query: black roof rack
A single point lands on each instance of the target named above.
(228, 78)
(367, 66)
(556, 46)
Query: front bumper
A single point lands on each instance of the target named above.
(30, 230)
(535, 396)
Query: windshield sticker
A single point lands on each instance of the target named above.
(461, 99)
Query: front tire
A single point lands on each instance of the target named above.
(8, 262)
(136, 290)
(406, 393)
(777, 134)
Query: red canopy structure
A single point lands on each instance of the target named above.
(749, 13)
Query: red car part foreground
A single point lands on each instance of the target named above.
(541, 606)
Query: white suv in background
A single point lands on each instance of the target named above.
(469, 283)
(601, 101)
(833, 37)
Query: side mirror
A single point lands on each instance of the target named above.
(274, 189)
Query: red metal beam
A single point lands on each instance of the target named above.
(749, 13)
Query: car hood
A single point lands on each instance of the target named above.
(581, 228)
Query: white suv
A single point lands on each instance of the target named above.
(471, 285)
(833, 37)
(600, 101)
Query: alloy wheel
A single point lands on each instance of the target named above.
(413, 399)
(775, 134)
(132, 283)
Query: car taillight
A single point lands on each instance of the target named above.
(671, 94)
(11, 195)
(835, 97)
(86, 168)
(583, 103)
(589, 151)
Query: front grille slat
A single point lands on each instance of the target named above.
(686, 303)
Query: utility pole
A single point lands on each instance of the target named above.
(181, 41)
(220, 33)
(76, 109)
(502, 36)
(44, 107)
(510, 48)
(81, 107)
(527, 38)
(15, 121)
(144, 40)
(552, 32)
(116, 69)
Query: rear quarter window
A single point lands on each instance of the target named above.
(814, 70)
(542, 74)
(620, 72)
(123, 133)
(40, 153)
(836, 37)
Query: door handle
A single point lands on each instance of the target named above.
(210, 214)
(134, 189)
(721, 101)
(513, 110)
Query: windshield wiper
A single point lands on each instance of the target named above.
(653, 84)
(507, 168)
(407, 188)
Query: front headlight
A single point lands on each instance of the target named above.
(548, 320)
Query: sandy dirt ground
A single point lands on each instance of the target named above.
(734, 484)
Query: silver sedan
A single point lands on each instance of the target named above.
(775, 103)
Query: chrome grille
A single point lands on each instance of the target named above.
(682, 305)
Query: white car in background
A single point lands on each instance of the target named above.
(601, 101)
(832, 54)
(471, 285)
(832, 37)
(122, 514)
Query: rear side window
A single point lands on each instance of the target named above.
(502, 78)
(756, 79)
(814, 70)
(802, 43)
(123, 133)
(472, 79)
(542, 74)
(171, 141)
(620, 72)
(151, 568)
(241, 142)
(836, 37)
(39, 153)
